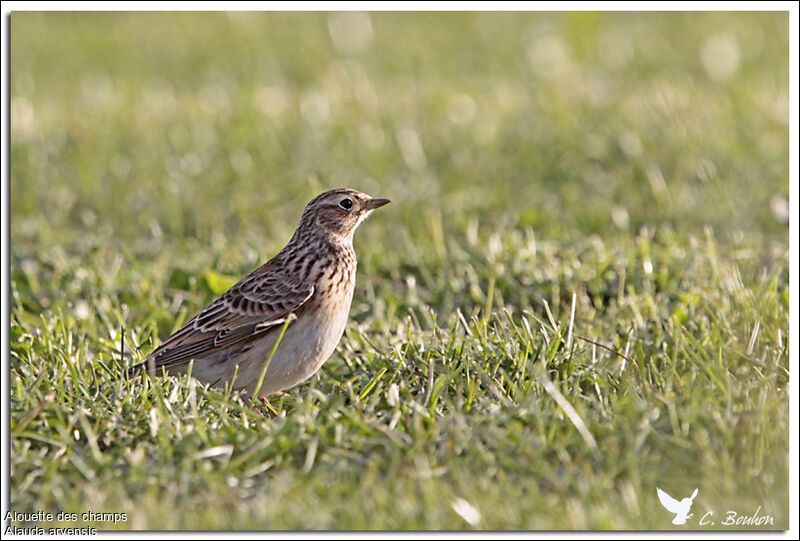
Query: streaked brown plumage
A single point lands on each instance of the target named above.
(310, 282)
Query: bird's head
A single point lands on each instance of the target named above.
(338, 212)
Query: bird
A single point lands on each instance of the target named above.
(299, 299)
(680, 508)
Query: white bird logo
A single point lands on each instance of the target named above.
(680, 508)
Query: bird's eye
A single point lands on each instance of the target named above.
(346, 203)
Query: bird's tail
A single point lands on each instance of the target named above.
(148, 365)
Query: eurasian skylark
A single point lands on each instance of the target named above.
(309, 284)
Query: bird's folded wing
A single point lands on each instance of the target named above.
(249, 308)
(672, 505)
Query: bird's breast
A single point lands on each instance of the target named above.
(311, 339)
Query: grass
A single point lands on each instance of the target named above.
(621, 178)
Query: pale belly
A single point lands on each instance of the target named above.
(307, 343)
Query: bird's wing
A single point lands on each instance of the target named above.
(672, 505)
(259, 302)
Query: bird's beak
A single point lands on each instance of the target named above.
(372, 204)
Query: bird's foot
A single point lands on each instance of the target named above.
(268, 410)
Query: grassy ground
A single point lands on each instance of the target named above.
(622, 178)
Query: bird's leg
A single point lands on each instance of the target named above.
(271, 411)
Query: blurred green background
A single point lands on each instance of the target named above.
(226, 124)
(638, 159)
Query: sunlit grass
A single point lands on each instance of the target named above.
(555, 178)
